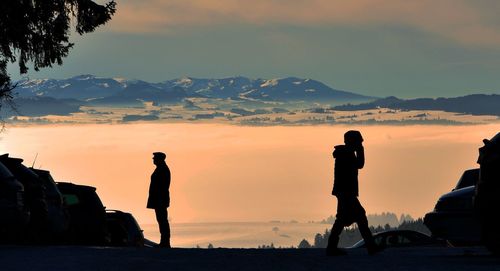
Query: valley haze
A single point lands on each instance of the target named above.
(238, 125)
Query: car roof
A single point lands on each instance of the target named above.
(40, 170)
(399, 231)
(496, 138)
(472, 170)
(6, 158)
(66, 185)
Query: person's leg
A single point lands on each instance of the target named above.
(338, 226)
(364, 229)
(162, 218)
(365, 232)
(333, 239)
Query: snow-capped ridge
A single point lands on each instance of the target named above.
(89, 87)
(269, 83)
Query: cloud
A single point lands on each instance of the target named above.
(468, 22)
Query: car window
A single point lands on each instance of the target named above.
(404, 240)
(395, 239)
(4, 172)
(415, 237)
(71, 199)
(379, 240)
(392, 240)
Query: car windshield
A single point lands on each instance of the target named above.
(48, 182)
(469, 178)
(4, 172)
(28, 174)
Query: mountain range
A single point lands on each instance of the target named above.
(97, 90)
(39, 97)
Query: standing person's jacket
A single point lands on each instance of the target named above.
(347, 163)
(159, 196)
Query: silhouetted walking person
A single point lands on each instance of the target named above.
(349, 158)
(159, 197)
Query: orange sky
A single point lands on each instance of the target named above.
(463, 21)
(233, 173)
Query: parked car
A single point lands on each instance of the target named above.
(58, 222)
(123, 229)
(453, 218)
(468, 214)
(400, 238)
(87, 214)
(487, 197)
(35, 199)
(14, 215)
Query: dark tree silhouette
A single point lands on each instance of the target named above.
(304, 244)
(38, 31)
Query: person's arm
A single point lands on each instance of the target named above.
(168, 178)
(360, 157)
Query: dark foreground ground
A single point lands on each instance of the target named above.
(91, 258)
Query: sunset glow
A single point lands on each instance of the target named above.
(226, 173)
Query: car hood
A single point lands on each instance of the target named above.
(466, 192)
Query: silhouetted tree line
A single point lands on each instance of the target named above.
(304, 244)
(378, 219)
(351, 235)
(271, 246)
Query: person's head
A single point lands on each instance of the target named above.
(159, 158)
(353, 138)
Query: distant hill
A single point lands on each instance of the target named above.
(42, 106)
(477, 104)
(118, 90)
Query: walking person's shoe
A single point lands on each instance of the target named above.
(163, 245)
(335, 252)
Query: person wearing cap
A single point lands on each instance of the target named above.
(159, 197)
(349, 158)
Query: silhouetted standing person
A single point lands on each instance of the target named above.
(349, 158)
(159, 197)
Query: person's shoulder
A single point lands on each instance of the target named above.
(339, 149)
